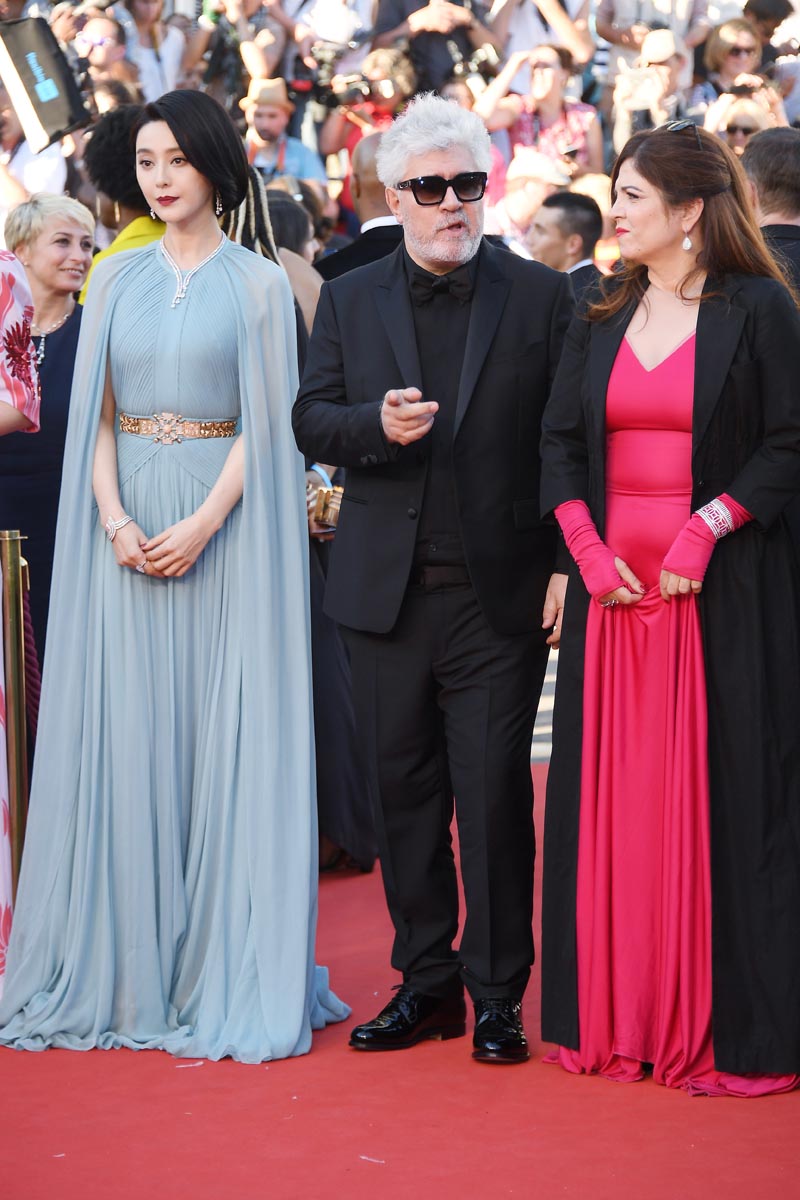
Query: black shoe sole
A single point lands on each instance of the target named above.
(497, 1056)
(442, 1034)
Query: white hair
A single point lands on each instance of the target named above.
(431, 123)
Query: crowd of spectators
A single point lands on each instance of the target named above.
(560, 84)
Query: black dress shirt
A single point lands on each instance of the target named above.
(440, 325)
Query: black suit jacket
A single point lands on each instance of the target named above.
(366, 248)
(784, 241)
(363, 344)
(583, 279)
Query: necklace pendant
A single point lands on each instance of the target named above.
(40, 351)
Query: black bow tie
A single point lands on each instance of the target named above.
(458, 283)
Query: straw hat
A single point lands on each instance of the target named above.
(267, 91)
(659, 46)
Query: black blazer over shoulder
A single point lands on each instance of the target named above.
(368, 247)
(363, 344)
(745, 441)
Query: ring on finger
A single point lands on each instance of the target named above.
(141, 566)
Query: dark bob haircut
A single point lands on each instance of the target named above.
(208, 138)
(109, 160)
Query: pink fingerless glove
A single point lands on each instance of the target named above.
(595, 560)
(690, 553)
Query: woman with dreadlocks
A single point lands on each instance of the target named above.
(345, 822)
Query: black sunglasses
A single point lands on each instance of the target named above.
(679, 126)
(741, 51)
(432, 189)
(745, 129)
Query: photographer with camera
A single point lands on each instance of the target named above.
(649, 94)
(430, 29)
(366, 103)
(626, 23)
(267, 109)
(237, 40)
(566, 131)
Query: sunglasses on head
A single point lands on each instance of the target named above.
(741, 51)
(744, 129)
(679, 126)
(432, 189)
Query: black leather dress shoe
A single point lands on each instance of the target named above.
(411, 1017)
(499, 1036)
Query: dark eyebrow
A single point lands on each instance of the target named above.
(171, 150)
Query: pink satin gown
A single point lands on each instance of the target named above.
(643, 892)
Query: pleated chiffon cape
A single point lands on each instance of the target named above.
(168, 889)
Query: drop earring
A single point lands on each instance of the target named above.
(152, 215)
(218, 204)
(686, 244)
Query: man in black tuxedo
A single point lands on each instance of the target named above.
(771, 161)
(380, 233)
(563, 235)
(426, 378)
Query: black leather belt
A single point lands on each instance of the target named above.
(432, 577)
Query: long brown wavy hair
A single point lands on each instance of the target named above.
(684, 165)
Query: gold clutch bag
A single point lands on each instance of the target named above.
(326, 509)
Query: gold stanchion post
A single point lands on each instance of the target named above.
(16, 730)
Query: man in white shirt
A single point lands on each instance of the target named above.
(23, 173)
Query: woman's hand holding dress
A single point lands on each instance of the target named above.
(686, 562)
(607, 577)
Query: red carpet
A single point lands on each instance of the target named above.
(425, 1124)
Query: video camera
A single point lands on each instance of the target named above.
(316, 84)
(483, 63)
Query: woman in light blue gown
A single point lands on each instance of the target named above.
(168, 890)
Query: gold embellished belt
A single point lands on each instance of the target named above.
(169, 427)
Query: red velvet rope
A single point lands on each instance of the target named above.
(33, 675)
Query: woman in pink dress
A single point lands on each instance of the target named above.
(671, 447)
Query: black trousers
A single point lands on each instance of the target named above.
(445, 709)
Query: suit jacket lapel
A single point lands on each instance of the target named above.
(719, 330)
(488, 302)
(394, 306)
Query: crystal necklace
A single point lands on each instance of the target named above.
(43, 333)
(183, 278)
